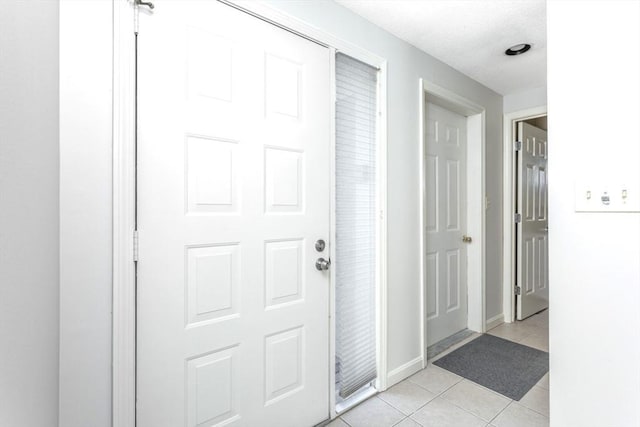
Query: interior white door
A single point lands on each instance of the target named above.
(445, 222)
(233, 158)
(532, 231)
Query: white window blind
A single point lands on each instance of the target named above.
(355, 264)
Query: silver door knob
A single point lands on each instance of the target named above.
(323, 264)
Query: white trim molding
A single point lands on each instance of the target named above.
(405, 371)
(124, 282)
(290, 23)
(333, 410)
(494, 321)
(509, 207)
(476, 196)
(382, 306)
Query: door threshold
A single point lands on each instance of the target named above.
(356, 398)
(445, 344)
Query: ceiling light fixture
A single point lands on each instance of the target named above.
(517, 49)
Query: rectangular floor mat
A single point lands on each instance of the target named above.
(503, 366)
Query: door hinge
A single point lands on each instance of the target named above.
(517, 218)
(136, 15)
(136, 246)
(517, 145)
(518, 290)
(145, 3)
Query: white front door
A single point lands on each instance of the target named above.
(445, 222)
(233, 191)
(532, 231)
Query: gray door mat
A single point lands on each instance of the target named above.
(435, 349)
(503, 366)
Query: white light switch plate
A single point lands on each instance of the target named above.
(607, 197)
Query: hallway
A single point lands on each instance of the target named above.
(439, 398)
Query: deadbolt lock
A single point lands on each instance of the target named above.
(466, 239)
(320, 245)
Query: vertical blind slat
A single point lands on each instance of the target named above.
(356, 94)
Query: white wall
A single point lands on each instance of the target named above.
(85, 213)
(524, 100)
(594, 71)
(406, 65)
(29, 283)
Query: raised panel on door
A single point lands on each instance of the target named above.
(532, 263)
(212, 175)
(212, 392)
(232, 314)
(445, 223)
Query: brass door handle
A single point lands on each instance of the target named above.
(466, 239)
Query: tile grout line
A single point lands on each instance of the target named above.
(402, 420)
(539, 413)
(531, 409)
(503, 409)
(454, 404)
(438, 394)
(420, 407)
(475, 415)
(469, 412)
(390, 405)
(344, 421)
(434, 397)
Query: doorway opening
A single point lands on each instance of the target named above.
(525, 216)
(453, 216)
(526, 256)
(531, 217)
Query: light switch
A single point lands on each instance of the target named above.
(607, 197)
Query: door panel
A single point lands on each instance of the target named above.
(233, 190)
(445, 223)
(532, 240)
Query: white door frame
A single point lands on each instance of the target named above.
(124, 294)
(430, 92)
(509, 205)
(123, 384)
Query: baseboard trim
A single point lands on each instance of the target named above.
(494, 321)
(405, 371)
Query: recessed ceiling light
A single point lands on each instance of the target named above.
(517, 49)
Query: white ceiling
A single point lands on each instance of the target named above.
(470, 35)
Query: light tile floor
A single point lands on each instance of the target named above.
(435, 397)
